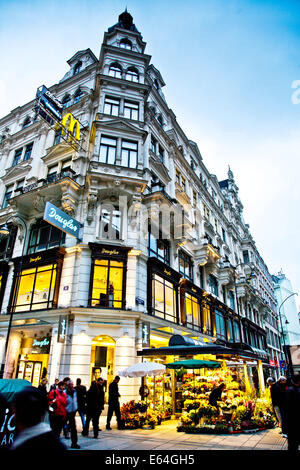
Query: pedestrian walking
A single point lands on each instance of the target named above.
(113, 403)
(95, 405)
(292, 410)
(55, 385)
(30, 406)
(57, 400)
(81, 399)
(43, 387)
(278, 397)
(72, 407)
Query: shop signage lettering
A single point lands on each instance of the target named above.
(145, 334)
(61, 220)
(7, 429)
(109, 252)
(41, 345)
(62, 329)
(33, 260)
(167, 272)
(193, 289)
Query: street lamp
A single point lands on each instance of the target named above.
(286, 322)
(4, 230)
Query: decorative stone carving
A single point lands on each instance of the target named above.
(91, 207)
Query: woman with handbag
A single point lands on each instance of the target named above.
(57, 400)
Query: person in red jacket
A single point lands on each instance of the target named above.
(57, 408)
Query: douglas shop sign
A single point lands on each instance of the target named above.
(63, 221)
(41, 345)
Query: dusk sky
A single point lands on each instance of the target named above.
(229, 68)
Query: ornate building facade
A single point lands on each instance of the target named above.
(164, 249)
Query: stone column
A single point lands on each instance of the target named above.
(261, 379)
(125, 356)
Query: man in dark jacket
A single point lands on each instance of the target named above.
(292, 410)
(278, 391)
(30, 407)
(81, 399)
(95, 405)
(216, 395)
(113, 403)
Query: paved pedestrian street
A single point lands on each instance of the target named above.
(166, 437)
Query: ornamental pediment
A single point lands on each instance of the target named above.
(16, 171)
(122, 125)
(57, 151)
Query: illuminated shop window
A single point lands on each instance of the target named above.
(36, 288)
(44, 236)
(163, 299)
(206, 318)
(192, 311)
(108, 284)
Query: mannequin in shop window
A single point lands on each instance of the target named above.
(110, 295)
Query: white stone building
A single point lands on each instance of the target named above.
(165, 248)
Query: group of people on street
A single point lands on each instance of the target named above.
(285, 396)
(65, 401)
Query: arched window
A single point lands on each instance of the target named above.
(77, 67)
(115, 70)
(126, 44)
(132, 74)
(26, 122)
(66, 101)
(78, 95)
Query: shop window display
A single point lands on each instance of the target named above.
(163, 297)
(35, 288)
(192, 310)
(107, 289)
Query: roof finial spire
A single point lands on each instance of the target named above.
(230, 174)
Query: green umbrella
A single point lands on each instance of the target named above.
(9, 387)
(193, 364)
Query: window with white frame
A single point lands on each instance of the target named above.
(129, 153)
(108, 150)
(111, 106)
(126, 44)
(131, 110)
(115, 70)
(110, 222)
(132, 74)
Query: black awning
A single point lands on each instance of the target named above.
(180, 350)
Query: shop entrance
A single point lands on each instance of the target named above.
(102, 359)
(33, 359)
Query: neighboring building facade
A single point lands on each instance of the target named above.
(165, 249)
(289, 318)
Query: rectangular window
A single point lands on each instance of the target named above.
(206, 318)
(192, 310)
(7, 195)
(111, 106)
(36, 288)
(131, 110)
(236, 331)
(108, 150)
(194, 198)
(224, 235)
(183, 183)
(110, 222)
(129, 152)
(44, 236)
(17, 157)
(108, 284)
(220, 325)
(213, 284)
(185, 265)
(153, 144)
(28, 151)
(163, 299)
(52, 173)
(246, 256)
(178, 177)
(161, 154)
(231, 299)
(158, 247)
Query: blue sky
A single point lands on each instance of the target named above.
(228, 67)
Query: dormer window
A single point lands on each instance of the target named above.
(126, 44)
(132, 74)
(77, 67)
(66, 101)
(115, 70)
